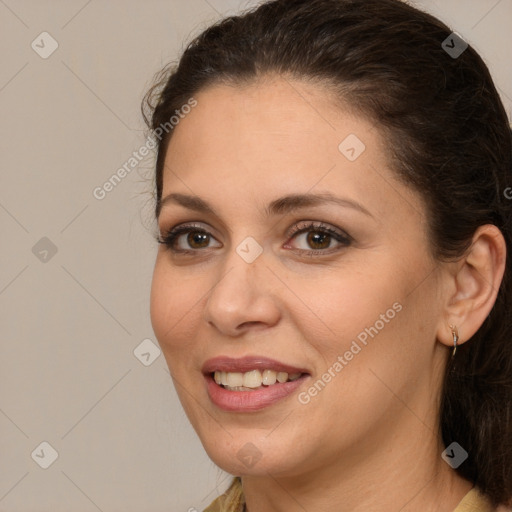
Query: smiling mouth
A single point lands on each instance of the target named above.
(252, 380)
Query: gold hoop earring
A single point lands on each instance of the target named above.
(455, 334)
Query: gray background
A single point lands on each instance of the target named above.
(70, 321)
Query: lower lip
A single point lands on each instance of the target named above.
(246, 401)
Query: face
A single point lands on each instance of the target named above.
(299, 255)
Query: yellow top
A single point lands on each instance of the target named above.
(233, 501)
(474, 501)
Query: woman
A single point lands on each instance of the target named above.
(332, 290)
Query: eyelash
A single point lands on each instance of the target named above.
(345, 240)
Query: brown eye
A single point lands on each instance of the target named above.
(317, 238)
(196, 239)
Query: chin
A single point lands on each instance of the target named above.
(246, 454)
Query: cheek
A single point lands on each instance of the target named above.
(346, 305)
(384, 334)
(366, 317)
(173, 305)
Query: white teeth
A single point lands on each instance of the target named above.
(237, 381)
(269, 377)
(240, 388)
(221, 378)
(252, 379)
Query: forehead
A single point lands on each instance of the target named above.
(278, 136)
(269, 113)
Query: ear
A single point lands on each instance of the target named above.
(474, 283)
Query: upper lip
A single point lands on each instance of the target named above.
(248, 363)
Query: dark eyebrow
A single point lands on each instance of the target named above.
(281, 205)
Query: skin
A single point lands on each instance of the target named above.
(368, 440)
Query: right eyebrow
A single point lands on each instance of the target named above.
(282, 205)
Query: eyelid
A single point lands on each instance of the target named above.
(340, 237)
(179, 230)
(312, 225)
(171, 235)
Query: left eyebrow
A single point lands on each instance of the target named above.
(280, 206)
(294, 202)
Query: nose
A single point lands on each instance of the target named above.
(243, 297)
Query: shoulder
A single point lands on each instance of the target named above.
(231, 501)
(476, 501)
